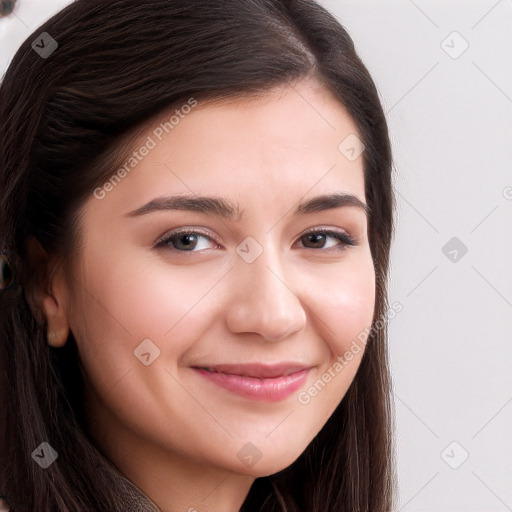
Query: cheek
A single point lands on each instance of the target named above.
(118, 306)
(345, 303)
(144, 296)
(123, 305)
(344, 313)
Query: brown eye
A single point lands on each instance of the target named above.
(184, 241)
(317, 239)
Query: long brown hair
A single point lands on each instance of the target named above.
(66, 121)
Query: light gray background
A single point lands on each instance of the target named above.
(450, 120)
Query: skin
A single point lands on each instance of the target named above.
(169, 430)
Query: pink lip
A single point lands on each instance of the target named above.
(256, 381)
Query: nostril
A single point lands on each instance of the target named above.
(6, 7)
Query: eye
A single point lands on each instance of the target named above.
(185, 240)
(319, 236)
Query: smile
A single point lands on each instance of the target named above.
(257, 382)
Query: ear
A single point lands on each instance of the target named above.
(46, 292)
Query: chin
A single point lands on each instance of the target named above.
(269, 465)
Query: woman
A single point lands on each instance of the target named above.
(196, 220)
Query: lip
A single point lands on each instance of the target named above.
(258, 370)
(259, 382)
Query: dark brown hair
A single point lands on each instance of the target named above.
(65, 123)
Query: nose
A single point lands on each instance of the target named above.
(263, 301)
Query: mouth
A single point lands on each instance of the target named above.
(256, 381)
(256, 370)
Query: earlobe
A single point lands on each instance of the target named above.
(58, 328)
(56, 339)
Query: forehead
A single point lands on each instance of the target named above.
(283, 144)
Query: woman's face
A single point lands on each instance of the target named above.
(250, 285)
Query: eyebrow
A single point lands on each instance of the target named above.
(224, 208)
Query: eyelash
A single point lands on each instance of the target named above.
(344, 238)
